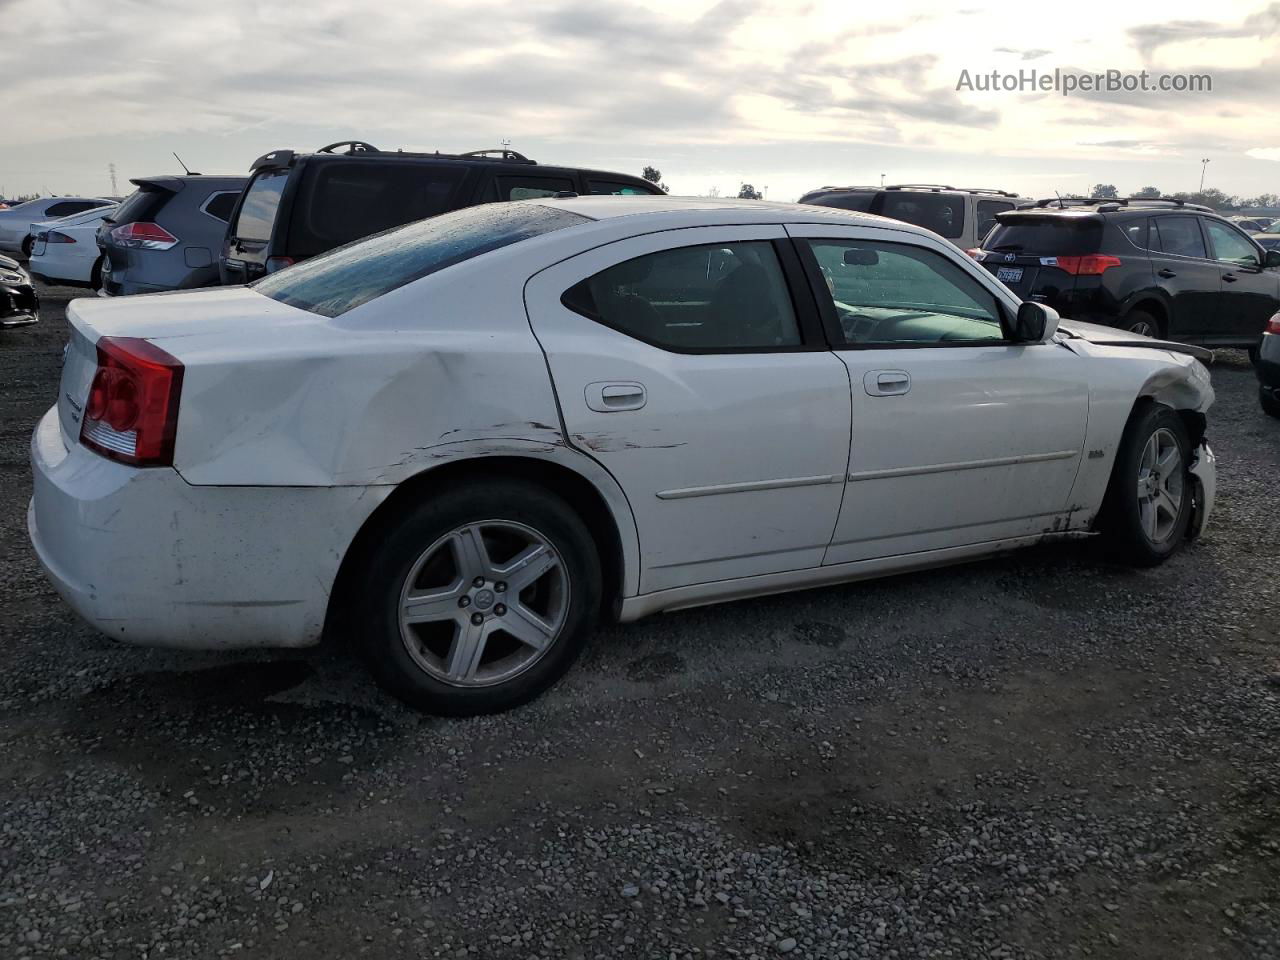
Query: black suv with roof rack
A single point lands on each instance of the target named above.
(1163, 268)
(962, 215)
(297, 205)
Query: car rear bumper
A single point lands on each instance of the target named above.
(147, 558)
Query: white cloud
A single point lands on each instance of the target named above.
(1264, 153)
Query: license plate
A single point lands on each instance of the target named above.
(1009, 274)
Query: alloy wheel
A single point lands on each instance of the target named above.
(484, 603)
(1160, 485)
(1143, 328)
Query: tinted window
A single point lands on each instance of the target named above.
(943, 213)
(1230, 246)
(344, 201)
(987, 210)
(611, 188)
(1045, 236)
(843, 201)
(220, 205)
(530, 188)
(143, 204)
(343, 279)
(67, 207)
(258, 211)
(1136, 232)
(717, 297)
(1178, 235)
(892, 293)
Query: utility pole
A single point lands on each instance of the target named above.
(111, 169)
(1204, 164)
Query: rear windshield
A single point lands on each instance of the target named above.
(844, 201)
(143, 204)
(258, 211)
(343, 279)
(344, 201)
(1050, 236)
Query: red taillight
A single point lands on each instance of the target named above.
(1089, 265)
(1273, 325)
(132, 411)
(278, 263)
(143, 236)
(55, 237)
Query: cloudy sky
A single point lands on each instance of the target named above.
(787, 96)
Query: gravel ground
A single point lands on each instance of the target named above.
(1044, 755)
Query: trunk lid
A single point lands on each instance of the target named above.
(1022, 249)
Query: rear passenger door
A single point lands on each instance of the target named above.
(1182, 268)
(684, 365)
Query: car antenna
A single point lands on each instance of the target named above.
(183, 165)
(1061, 205)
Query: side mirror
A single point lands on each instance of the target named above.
(1035, 323)
(860, 257)
(1272, 259)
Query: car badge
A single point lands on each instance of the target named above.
(1010, 257)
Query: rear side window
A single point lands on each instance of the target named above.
(531, 188)
(943, 213)
(1046, 236)
(258, 211)
(341, 202)
(611, 188)
(341, 280)
(67, 207)
(986, 211)
(1178, 235)
(714, 298)
(1136, 233)
(221, 204)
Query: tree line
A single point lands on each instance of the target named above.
(1209, 197)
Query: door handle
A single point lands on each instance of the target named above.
(886, 383)
(611, 396)
(1230, 277)
(1166, 273)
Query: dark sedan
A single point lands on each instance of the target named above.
(18, 301)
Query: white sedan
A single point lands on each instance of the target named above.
(463, 441)
(15, 222)
(65, 251)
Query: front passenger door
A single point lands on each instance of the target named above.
(959, 436)
(1249, 293)
(683, 365)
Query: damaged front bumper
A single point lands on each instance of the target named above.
(1203, 473)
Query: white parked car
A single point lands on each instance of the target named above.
(65, 251)
(15, 223)
(463, 441)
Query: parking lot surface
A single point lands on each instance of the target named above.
(1045, 755)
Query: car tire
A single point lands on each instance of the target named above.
(1269, 401)
(95, 275)
(1142, 323)
(1255, 354)
(1149, 500)
(26, 247)
(458, 659)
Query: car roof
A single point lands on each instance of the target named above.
(708, 210)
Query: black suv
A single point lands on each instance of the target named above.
(298, 205)
(1163, 268)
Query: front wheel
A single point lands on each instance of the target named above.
(1148, 503)
(479, 598)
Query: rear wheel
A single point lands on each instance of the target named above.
(1270, 403)
(1149, 500)
(26, 247)
(1142, 323)
(480, 598)
(95, 275)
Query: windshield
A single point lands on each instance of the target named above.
(1274, 228)
(338, 281)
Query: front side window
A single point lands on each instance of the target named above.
(722, 297)
(890, 294)
(343, 279)
(258, 211)
(1230, 246)
(1178, 235)
(943, 213)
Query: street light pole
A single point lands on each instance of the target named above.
(1204, 164)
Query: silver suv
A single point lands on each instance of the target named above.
(963, 216)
